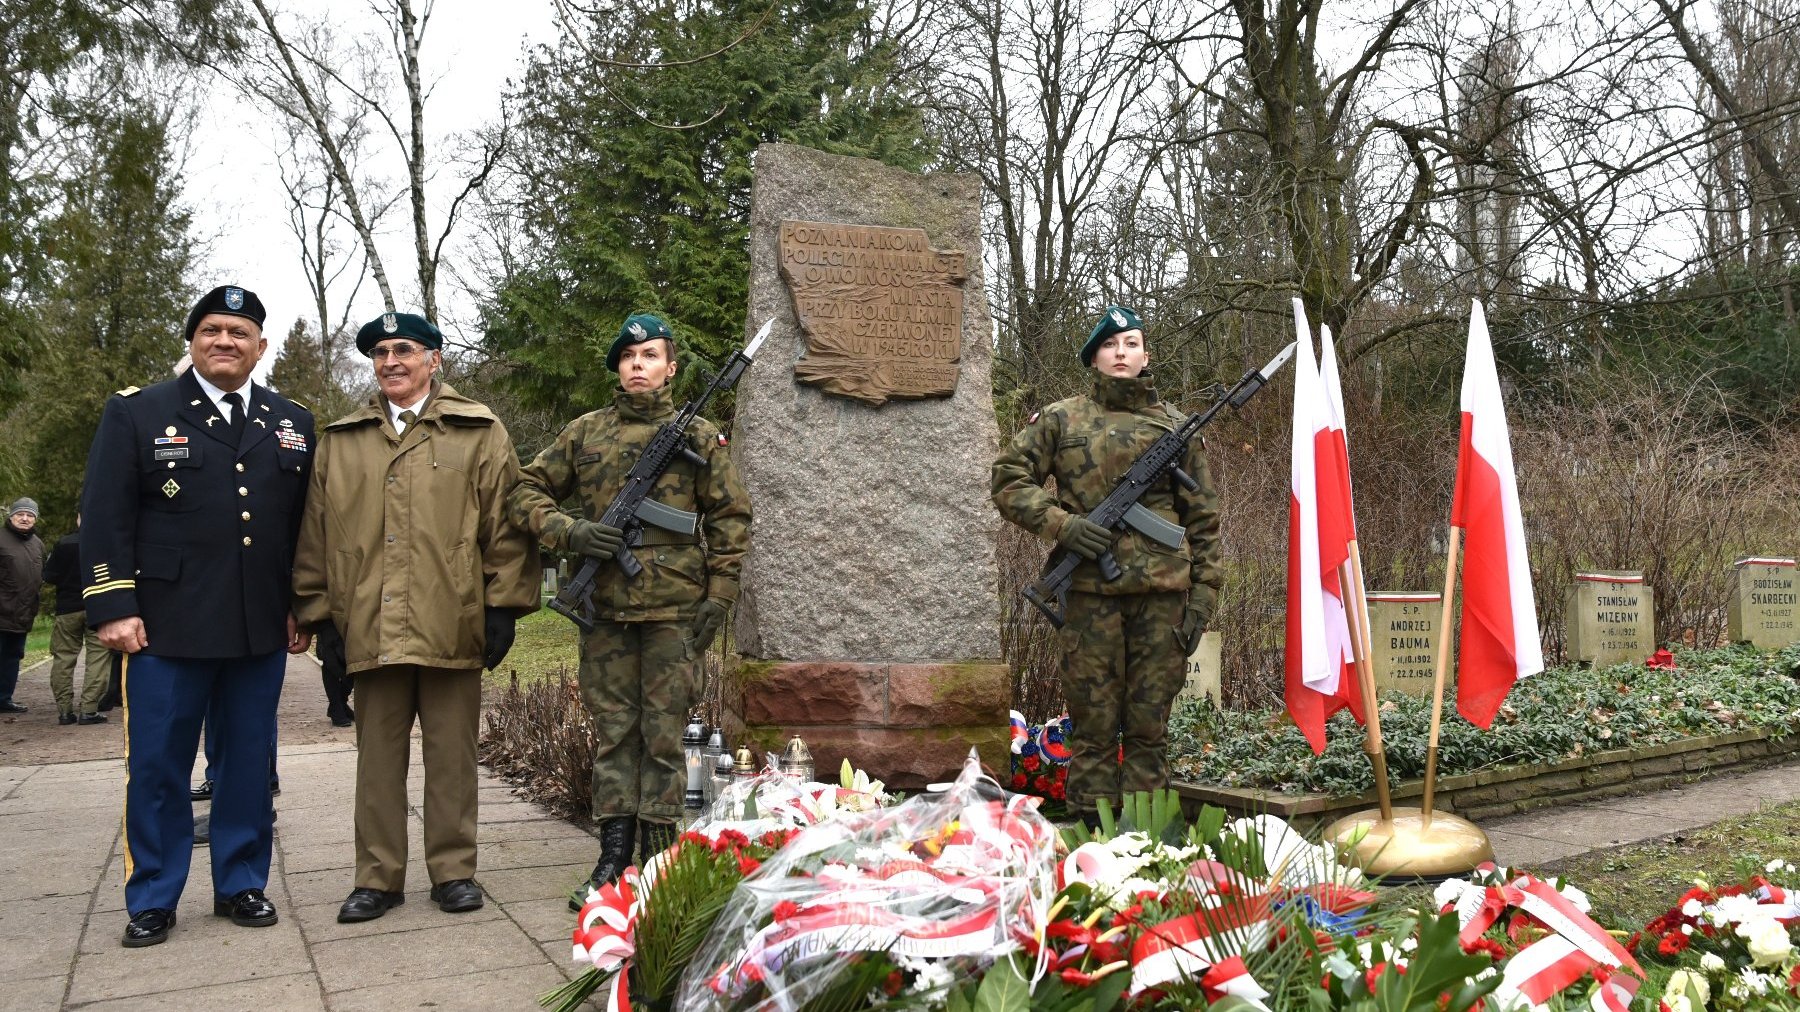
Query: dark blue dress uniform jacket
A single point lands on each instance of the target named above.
(189, 529)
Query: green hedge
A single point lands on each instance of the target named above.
(1561, 714)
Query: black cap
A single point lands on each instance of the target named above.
(230, 300)
(411, 326)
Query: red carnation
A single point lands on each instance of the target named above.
(1494, 950)
(786, 909)
(1031, 762)
(1018, 781)
(747, 866)
(892, 983)
(1673, 943)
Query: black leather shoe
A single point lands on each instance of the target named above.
(368, 904)
(274, 788)
(65, 718)
(91, 718)
(248, 909)
(203, 829)
(202, 792)
(341, 718)
(457, 896)
(148, 928)
(11, 707)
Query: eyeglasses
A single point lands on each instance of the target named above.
(399, 351)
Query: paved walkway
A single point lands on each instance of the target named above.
(62, 894)
(62, 901)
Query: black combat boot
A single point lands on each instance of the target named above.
(653, 839)
(616, 835)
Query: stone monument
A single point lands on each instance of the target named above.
(1203, 669)
(1609, 618)
(1762, 610)
(1403, 640)
(869, 616)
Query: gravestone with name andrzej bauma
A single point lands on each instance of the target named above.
(1403, 640)
(1762, 609)
(869, 619)
(1609, 618)
(1204, 673)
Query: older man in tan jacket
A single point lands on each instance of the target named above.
(407, 566)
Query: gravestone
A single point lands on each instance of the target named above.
(1762, 610)
(869, 617)
(1203, 675)
(1403, 635)
(1609, 618)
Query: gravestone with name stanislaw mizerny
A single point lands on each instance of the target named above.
(869, 617)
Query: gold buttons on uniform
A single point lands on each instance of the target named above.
(243, 491)
(245, 515)
(246, 542)
(240, 468)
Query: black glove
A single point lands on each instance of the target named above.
(330, 645)
(595, 540)
(1084, 537)
(707, 623)
(1193, 626)
(499, 625)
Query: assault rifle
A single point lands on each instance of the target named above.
(632, 508)
(1121, 509)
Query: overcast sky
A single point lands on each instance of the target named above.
(471, 48)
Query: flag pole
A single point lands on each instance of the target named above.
(1437, 681)
(1350, 575)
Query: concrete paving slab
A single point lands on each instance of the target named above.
(512, 885)
(74, 876)
(318, 857)
(202, 950)
(512, 811)
(411, 956)
(546, 920)
(512, 988)
(530, 853)
(39, 935)
(547, 828)
(294, 993)
(39, 992)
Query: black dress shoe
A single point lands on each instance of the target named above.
(341, 718)
(457, 896)
(65, 718)
(92, 718)
(248, 909)
(274, 788)
(148, 928)
(368, 904)
(11, 707)
(203, 829)
(202, 792)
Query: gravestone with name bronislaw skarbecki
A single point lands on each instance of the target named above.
(869, 619)
(1762, 609)
(1403, 640)
(1609, 618)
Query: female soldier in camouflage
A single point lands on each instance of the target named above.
(1126, 642)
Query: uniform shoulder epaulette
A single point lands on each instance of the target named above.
(127, 392)
(297, 402)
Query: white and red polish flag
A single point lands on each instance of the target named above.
(1317, 631)
(1335, 500)
(1499, 643)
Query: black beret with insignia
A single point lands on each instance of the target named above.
(228, 299)
(637, 329)
(411, 326)
(1116, 320)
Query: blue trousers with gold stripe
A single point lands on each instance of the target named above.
(166, 700)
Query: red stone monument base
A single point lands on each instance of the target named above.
(907, 725)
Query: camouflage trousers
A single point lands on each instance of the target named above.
(638, 681)
(1121, 671)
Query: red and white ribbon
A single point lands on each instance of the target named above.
(1186, 948)
(604, 935)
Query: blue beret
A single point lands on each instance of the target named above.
(637, 329)
(411, 326)
(228, 299)
(1116, 320)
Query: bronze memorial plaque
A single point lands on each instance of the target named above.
(881, 310)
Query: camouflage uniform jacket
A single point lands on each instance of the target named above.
(591, 457)
(1088, 443)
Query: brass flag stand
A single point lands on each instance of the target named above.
(1413, 843)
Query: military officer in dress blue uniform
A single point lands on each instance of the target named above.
(195, 489)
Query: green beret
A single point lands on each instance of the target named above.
(411, 326)
(229, 300)
(637, 329)
(1116, 320)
